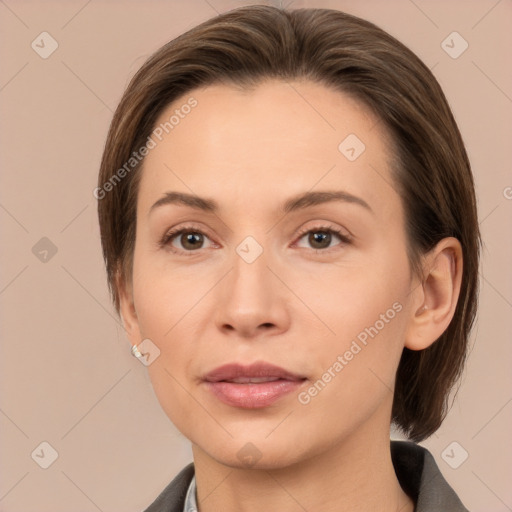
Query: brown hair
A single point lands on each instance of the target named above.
(431, 167)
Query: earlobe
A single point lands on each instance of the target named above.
(439, 291)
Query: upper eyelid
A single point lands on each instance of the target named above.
(319, 227)
(325, 226)
(190, 228)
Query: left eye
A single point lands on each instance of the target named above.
(321, 238)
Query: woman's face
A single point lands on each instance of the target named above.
(320, 288)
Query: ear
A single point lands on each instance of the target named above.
(436, 297)
(127, 308)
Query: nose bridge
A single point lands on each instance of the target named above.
(251, 296)
(250, 277)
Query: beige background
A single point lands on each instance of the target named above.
(66, 374)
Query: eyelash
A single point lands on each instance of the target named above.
(173, 233)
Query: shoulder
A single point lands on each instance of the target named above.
(172, 498)
(420, 477)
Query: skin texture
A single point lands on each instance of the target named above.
(298, 305)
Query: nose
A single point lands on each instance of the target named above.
(252, 300)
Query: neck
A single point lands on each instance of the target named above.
(355, 476)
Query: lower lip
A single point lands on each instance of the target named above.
(253, 396)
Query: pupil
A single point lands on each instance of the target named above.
(320, 237)
(191, 239)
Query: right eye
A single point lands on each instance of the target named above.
(184, 240)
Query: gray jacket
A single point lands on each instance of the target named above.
(415, 468)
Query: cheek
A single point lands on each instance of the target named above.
(164, 295)
(164, 309)
(345, 300)
(355, 367)
(363, 311)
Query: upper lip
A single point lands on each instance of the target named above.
(232, 371)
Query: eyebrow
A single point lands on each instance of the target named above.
(299, 202)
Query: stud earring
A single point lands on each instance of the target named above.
(136, 352)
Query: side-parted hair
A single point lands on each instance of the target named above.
(430, 168)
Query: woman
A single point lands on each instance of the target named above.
(290, 233)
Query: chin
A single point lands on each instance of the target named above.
(256, 453)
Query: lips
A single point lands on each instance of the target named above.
(255, 373)
(251, 387)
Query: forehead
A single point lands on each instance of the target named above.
(251, 143)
